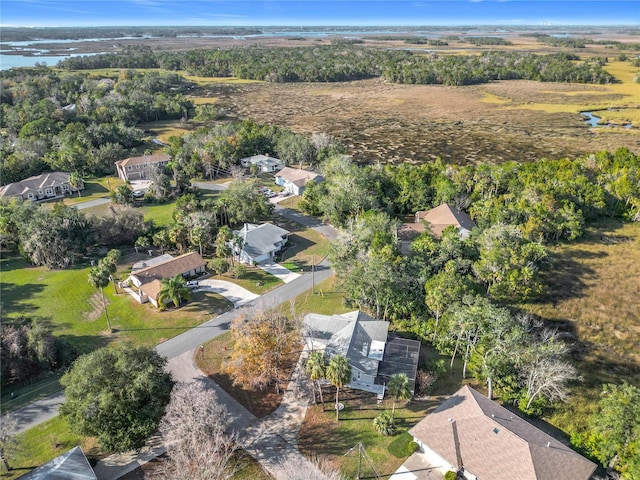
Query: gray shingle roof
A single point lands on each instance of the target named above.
(351, 335)
(260, 239)
(71, 465)
(495, 443)
(45, 180)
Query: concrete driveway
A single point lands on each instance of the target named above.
(232, 292)
(279, 271)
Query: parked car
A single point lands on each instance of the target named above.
(193, 284)
(138, 193)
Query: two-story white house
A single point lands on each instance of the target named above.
(372, 354)
(294, 179)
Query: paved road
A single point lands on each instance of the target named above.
(37, 412)
(40, 411)
(92, 203)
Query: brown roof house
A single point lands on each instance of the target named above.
(373, 355)
(472, 434)
(137, 168)
(41, 187)
(145, 276)
(439, 218)
(294, 179)
(434, 220)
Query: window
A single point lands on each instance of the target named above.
(30, 195)
(138, 167)
(129, 167)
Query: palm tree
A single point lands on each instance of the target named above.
(316, 369)
(174, 289)
(339, 374)
(99, 278)
(399, 389)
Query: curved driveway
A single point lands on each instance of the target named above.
(232, 292)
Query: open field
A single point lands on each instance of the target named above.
(593, 296)
(64, 300)
(383, 122)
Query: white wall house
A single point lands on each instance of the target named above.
(259, 243)
(294, 179)
(46, 186)
(265, 163)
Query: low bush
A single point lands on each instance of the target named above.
(402, 446)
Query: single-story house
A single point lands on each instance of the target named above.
(137, 168)
(265, 163)
(439, 218)
(146, 279)
(259, 242)
(71, 465)
(435, 221)
(294, 179)
(41, 187)
(373, 355)
(473, 435)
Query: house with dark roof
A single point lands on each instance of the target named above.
(294, 179)
(71, 465)
(138, 168)
(264, 163)
(259, 243)
(373, 355)
(41, 187)
(470, 433)
(144, 282)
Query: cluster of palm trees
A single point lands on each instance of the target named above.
(338, 373)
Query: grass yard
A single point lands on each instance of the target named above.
(211, 361)
(253, 279)
(593, 296)
(304, 243)
(327, 300)
(161, 214)
(72, 308)
(322, 435)
(93, 189)
(45, 442)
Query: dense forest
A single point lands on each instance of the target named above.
(344, 61)
(77, 123)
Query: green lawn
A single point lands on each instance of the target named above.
(44, 442)
(254, 279)
(66, 302)
(161, 214)
(94, 188)
(322, 435)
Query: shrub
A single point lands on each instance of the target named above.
(385, 424)
(450, 475)
(401, 446)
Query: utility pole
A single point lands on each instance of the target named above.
(313, 274)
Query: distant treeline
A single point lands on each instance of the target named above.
(480, 41)
(344, 62)
(580, 42)
(16, 34)
(409, 39)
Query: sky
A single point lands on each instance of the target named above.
(34, 13)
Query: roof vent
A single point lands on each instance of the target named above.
(493, 415)
(548, 444)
